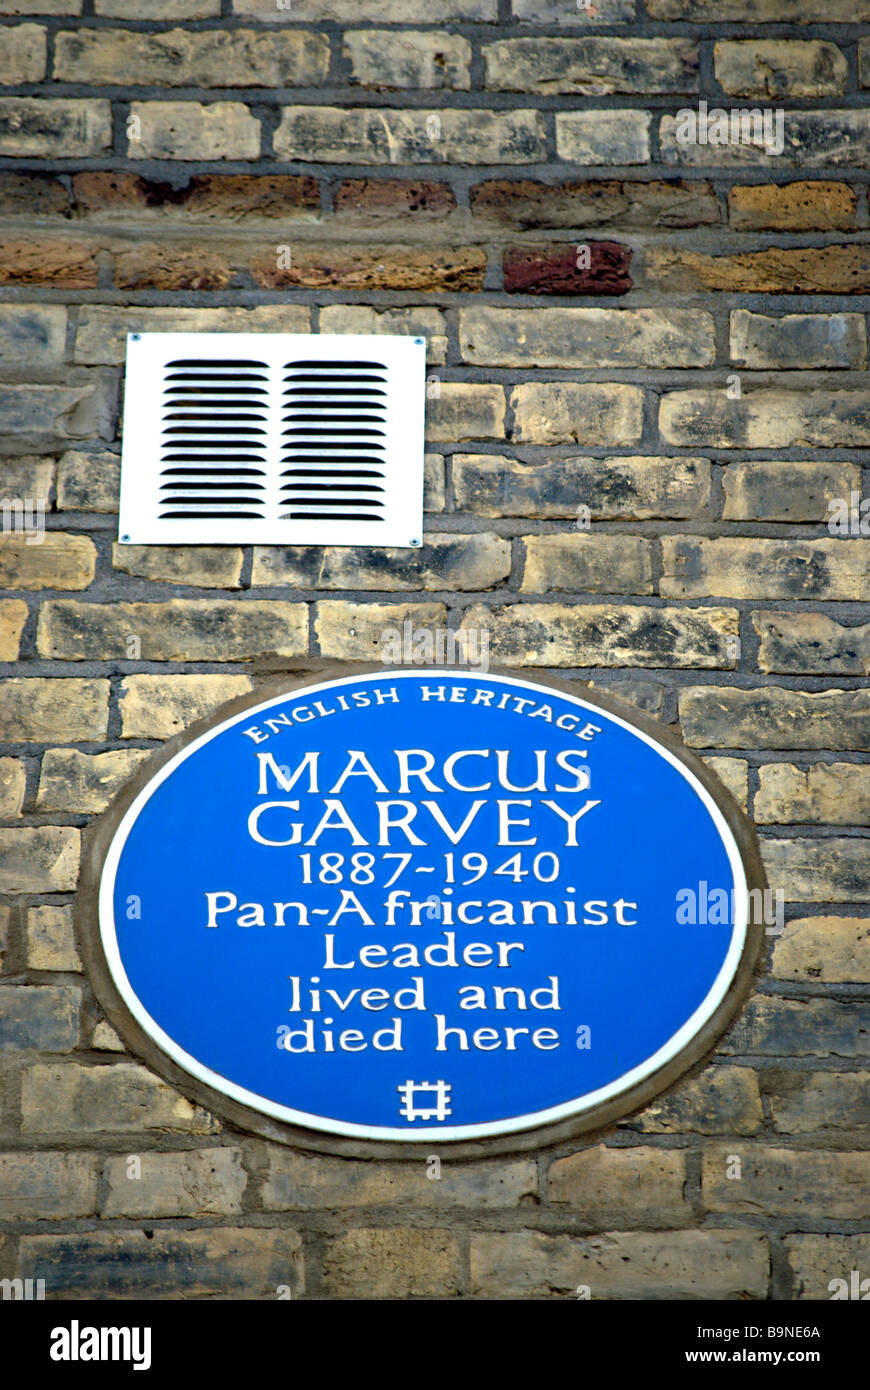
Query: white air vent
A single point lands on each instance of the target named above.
(239, 438)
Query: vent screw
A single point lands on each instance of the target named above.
(134, 337)
(419, 342)
(416, 541)
(125, 538)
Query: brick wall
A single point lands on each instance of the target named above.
(670, 334)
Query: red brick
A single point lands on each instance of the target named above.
(554, 270)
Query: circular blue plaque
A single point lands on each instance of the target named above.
(413, 905)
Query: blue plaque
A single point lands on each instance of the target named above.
(415, 905)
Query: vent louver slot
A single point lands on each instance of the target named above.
(334, 440)
(214, 439)
(261, 438)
